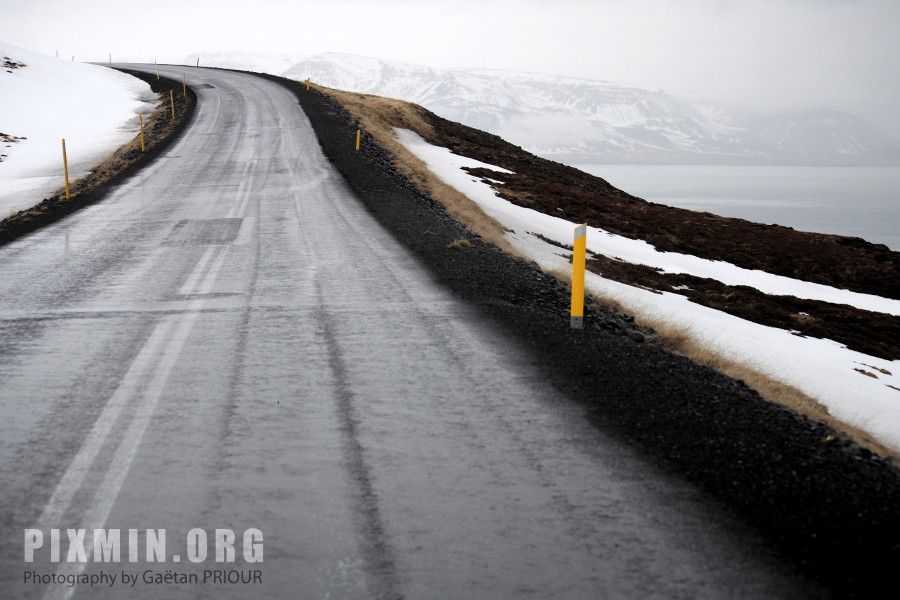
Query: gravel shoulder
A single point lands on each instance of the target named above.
(826, 503)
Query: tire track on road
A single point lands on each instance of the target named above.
(145, 381)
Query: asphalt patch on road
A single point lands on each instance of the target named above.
(826, 504)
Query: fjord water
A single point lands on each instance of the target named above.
(855, 201)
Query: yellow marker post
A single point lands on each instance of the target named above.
(172, 99)
(358, 135)
(184, 84)
(307, 84)
(66, 167)
(578, 266)
(141, 116)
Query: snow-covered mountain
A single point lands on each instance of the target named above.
(260, 62)
(580, 121)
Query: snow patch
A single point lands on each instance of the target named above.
(94, 108)
(821, 368)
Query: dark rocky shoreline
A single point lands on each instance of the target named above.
(827, 504)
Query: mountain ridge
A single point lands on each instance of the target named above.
(576, 120)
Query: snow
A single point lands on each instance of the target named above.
(260, 62)
(823, 369)
(580, 120)
(93, 107)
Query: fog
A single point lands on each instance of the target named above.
(781, 54)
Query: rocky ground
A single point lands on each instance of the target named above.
(838, 261)
(7, 141)
(826, 504)
(9, 64)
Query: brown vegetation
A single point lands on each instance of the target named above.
(876, 334)
(378, 117)
(679, 340)
(10, 64)
(8, 141)
(548, 187)
(460, 243)
(563, 191)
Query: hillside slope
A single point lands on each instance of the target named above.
(45, 99)
(555, 189)
(826, 502)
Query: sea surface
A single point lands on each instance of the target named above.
(855, 201)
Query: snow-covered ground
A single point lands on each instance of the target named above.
(822, 369)
(94, 108)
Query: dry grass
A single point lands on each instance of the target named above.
(158, 130)
(678, 339)
(158, 121)
(460, 243)
(378, 117)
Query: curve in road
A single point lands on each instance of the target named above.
(229, 341)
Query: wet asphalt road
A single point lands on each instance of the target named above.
(229, 341)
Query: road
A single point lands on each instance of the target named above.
(229, 341)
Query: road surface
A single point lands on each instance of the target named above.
(230, 342)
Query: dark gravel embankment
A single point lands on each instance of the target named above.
(828, 505)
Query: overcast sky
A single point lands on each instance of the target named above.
(774, 53)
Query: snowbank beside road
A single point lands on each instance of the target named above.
(44, 99)
(858, 389)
